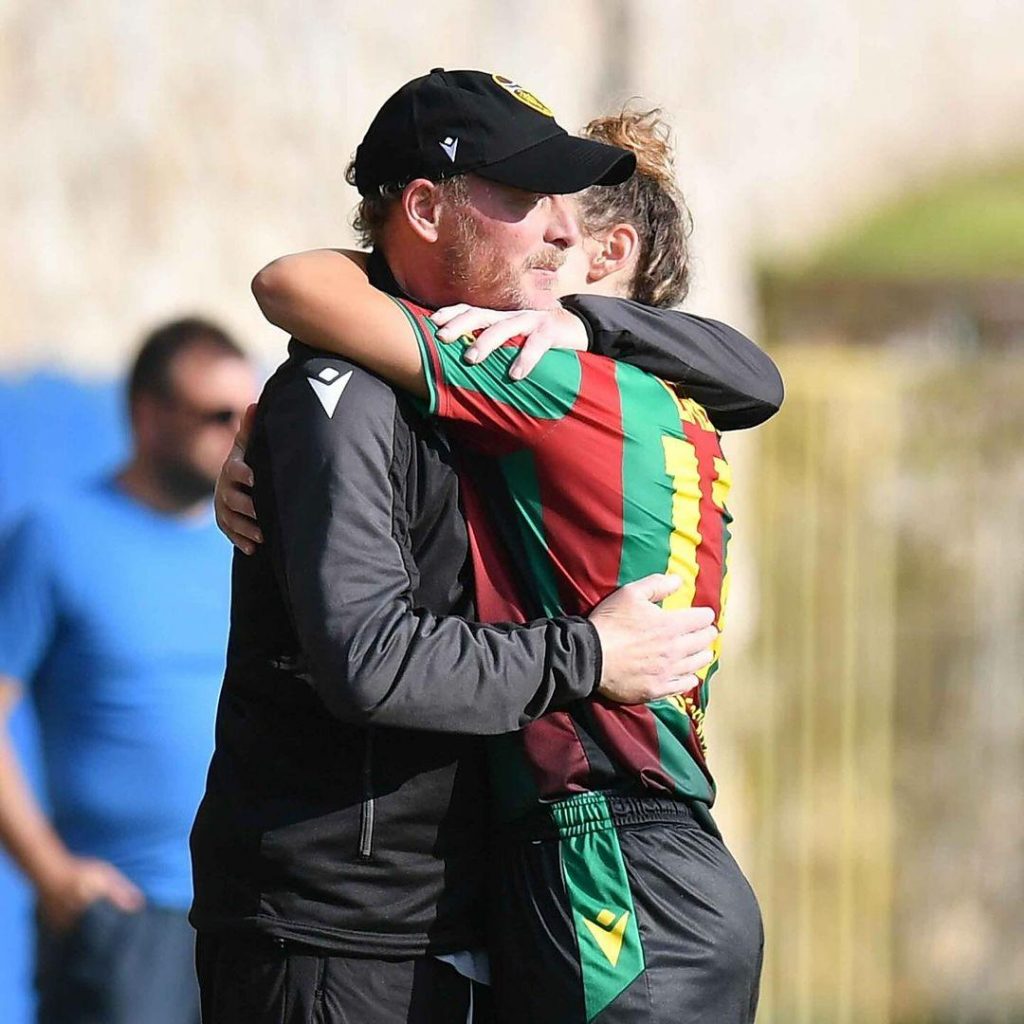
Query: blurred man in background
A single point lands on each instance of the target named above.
(113, 606)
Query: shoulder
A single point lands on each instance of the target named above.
(324, 403)
(313, 380)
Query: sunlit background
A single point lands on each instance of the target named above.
(856, 175)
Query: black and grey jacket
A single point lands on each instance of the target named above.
(345, 802)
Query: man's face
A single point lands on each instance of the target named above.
(190, 432)
(504, 247)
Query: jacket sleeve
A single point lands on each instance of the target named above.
(374, 658)
(737, 383)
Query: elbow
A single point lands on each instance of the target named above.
(275, 290)
(774, 391)
(752, 409)
(766, 400)
(348, 694)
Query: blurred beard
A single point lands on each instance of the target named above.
(480, 274)
(183, 483)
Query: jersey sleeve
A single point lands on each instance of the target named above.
(490, 411)
(28, 609)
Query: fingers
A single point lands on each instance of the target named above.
(237, 470)
(447, 313)
(535, 346)
(121, 892)
(497, 334)
(677, 684)
(697, 641)
(684, 684)
(238, 500)
(694, 663)
(242, 531)
(471, 319)
(655, 587)
(245, 428)
(690, 622)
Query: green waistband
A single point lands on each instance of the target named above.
(581, 814)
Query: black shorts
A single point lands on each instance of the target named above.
(623, 910)
(258, 980)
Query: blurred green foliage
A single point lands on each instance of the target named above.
(964, 226)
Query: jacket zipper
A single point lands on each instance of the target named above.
(366, 817)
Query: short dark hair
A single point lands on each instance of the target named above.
(151, 372)
(373, 210)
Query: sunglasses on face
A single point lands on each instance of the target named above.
(222, 417)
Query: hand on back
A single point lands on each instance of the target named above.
(649, 652)
(232, 500)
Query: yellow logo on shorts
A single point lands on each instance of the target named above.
(523, 95)
(609, 935)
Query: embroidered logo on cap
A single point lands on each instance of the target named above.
(450, 145)
(523, 95)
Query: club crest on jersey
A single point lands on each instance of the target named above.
(523, 95)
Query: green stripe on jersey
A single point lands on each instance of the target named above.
(674, 726)
(548, 393)
(428, 366)
(524, 492)
(648, 415)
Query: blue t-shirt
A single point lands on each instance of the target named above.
(115, 617)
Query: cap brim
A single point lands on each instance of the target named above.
(562, 164)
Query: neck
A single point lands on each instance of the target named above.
(418, 271)
(616, 285)
(142, 480)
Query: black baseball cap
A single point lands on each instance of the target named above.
(454, 122)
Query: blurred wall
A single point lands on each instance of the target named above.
(159, 152)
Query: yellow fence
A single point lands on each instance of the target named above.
(873, 725)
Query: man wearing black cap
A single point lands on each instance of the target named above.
(493, 154)
(338, 853)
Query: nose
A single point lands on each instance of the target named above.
(563, 228)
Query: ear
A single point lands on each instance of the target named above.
(619, 250)
(143, 414)
(421, 208)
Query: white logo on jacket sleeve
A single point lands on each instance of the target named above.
(450, 145)
(328, 385)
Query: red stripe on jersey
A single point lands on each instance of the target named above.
(581, 489)
(709, 553)
(630, 736)
(556, 755)
(586, 568)
(553, 748)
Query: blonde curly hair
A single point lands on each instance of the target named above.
(650, 200)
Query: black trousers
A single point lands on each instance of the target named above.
(118, 968)
(253, 980)
(633, 915)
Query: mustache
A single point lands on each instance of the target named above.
(552, 259)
